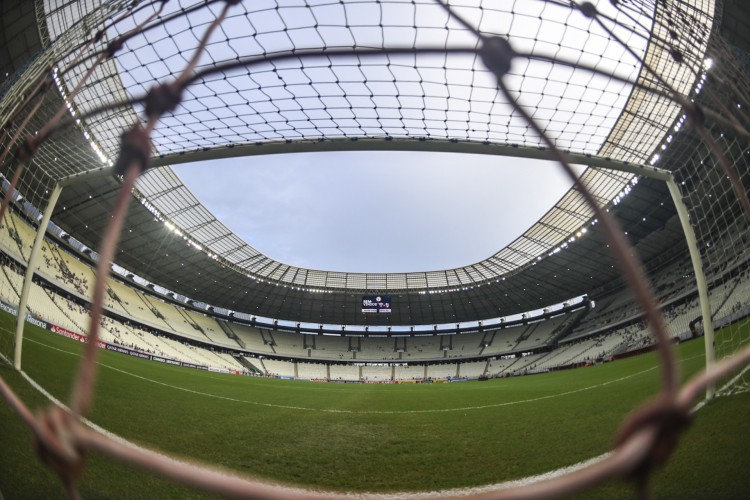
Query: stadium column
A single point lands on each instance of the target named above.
(30, 266)
(700, 278)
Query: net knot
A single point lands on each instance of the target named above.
(676, 55)
(588, 9)
(669, 421)
(695, 115)
(9, 125)
(45, 86)
(27, 149)
(114, 46)
(162, 99)
(55, 444)
(135, 147)
(497, 54)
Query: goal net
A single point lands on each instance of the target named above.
(644, 84)
(710, 166)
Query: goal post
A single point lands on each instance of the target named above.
(700, 277)
(31, 265)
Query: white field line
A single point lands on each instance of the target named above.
(361, 412)
(389, 496)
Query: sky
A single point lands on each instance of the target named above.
(377, 211)
(380, 212)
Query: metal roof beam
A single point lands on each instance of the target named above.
(405, 144)
(87, 175)
(181, 210)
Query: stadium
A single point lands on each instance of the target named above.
(603, 349)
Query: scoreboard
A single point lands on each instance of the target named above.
(376, 304)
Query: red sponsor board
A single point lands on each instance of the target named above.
(73, 335)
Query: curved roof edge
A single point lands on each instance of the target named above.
(162, 192)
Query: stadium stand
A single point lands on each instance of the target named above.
(278, 368)
(472, 369)
(375, 373)
(344, 372)
(409, 372)
(311, 371)
(442, 371)
(168, 329)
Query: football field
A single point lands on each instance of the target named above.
(367, 438)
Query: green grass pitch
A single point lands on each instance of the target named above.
(376, 438)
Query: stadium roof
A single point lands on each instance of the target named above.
(429, 101)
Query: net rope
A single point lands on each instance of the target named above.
(713, 177)
(716, 197)
(319, 97)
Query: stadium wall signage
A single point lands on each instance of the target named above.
(8, 308)
(105, 345)
(36, 321)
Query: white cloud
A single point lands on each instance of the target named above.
(377, 211)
